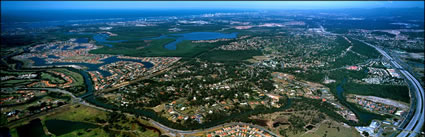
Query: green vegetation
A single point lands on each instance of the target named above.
(318, 76)
(60, 127)
(59, 95)
(8, 41)
(79, 80)
(136, 33)
(417, 60)
(212, 120)
(78, 86)
(51, 78)
(324, 107)
(339, 75)
(412, 35)
(230, 56)
(14, 132)
(16, 83)
(364, 116)
(333, 129)
(380, 33)
(155, 48)
(340, 46)
(132, 45)
(400, 93)
(14, 73)
(183, 49)
(364, 49)
(202, 85)
(91, 132)
(79, 113)
(3, 119)
(79, 120)
(55, 36)
(32, 129)
(337, 30)
(132, 48)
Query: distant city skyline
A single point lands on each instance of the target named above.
(38, 5)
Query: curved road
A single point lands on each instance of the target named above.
(80, 100)
(415, 124)
(222, 125)
(412, 129)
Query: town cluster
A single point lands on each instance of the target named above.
(379, 105)
(239, 131)
(123, 71)
(20, 96)
(254, 43)
(45, 83)
(29, 107)
(286, 83)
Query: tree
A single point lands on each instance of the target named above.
(366, 134)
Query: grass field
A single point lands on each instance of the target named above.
(79, 80)
(51, 78)
(331, 129)
(15, 73)
(84, 114)
(87, 133)
(61, 127)
(79, 113)
(16, 83)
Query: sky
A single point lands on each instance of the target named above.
(36, 5)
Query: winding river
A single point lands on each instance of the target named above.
(364, 117)
(149, 113)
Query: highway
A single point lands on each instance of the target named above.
(413, 128)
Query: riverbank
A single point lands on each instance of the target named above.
(364, 117)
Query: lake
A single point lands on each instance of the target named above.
(60, 127)
(193, 36)
(32, 129)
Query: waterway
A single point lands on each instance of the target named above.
(193, 36)
(102, 39)
(82, 40)
(61, 127)
(90, 67)
(91, 98)
(364, 117)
